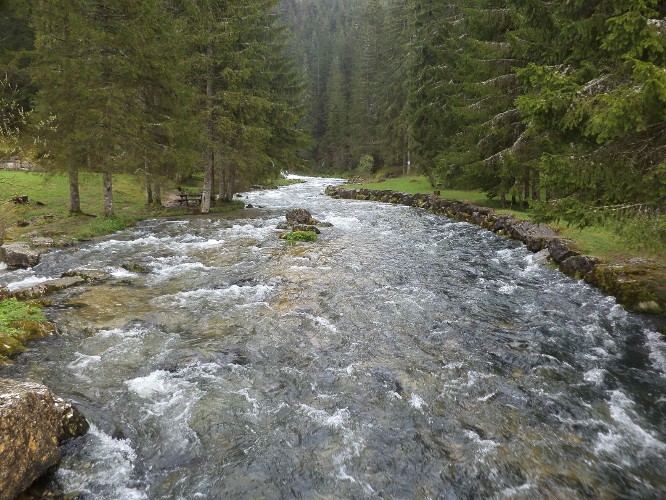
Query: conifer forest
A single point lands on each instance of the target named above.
(557, 105)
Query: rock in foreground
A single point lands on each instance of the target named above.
(33, 424)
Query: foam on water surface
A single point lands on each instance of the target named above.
(110, 465)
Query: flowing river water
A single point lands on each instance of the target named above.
(402, 355)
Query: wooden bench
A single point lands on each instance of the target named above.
(189, 197)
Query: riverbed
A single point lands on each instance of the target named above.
(402, 355)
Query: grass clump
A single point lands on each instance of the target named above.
(20, 322)
(296, 236)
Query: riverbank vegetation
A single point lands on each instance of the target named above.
(159, 89)
(19, 323)
(46, 214)
(559, 106)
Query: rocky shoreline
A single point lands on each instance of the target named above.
(633, 284)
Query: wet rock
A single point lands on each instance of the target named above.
(135, 267)
(541, 257)
(559, 250)
(283, 225)
(300, 216)
(32, 426)
(72, 422)
(19, 255)
(535, 236)
(92, 276)
(47, 287)
(579, 266)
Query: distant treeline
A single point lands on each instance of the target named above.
(559, 105)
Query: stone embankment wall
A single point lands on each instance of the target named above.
(630, 283)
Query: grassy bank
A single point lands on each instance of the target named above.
(600, 242)
(19, 322)
(47, 215)
(47, 212)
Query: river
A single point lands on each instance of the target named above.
(402, 355)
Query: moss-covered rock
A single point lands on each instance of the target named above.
(636, 286)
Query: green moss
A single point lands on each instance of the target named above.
(296, 236)
(20, 322)
(633, 286)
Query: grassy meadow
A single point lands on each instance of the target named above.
(47, 212)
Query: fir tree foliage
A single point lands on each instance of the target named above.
(162, 89)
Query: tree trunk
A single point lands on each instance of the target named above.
(157, 193)
(220, 184)
(526, 197)
(210, 154)
(149, 188)
(208, 179)
(536, 190)
(108, 193)
(74, 197)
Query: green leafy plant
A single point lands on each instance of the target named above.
(297, 236)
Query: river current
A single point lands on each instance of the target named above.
(402, 355)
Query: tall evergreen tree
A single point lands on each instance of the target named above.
(93, 55)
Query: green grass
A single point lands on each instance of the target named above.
(19, 322)
(296, 236)
(47, 213)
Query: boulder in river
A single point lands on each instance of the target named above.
(19, 255)
(300, 216)
(33, 424)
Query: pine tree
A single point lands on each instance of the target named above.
(599, 108)
(103, 77)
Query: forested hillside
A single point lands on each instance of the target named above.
(557, 105)
(161, 88)
(561, 105)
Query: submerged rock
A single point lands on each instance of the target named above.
(33, 424)
(44, 288)
(92, 276)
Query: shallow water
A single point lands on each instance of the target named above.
(402, 355)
